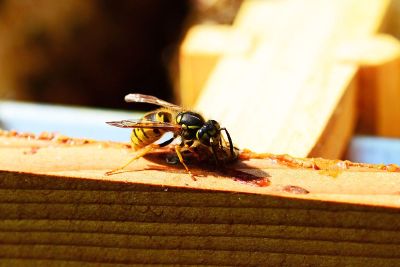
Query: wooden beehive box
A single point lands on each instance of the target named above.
(295, 77)
(294, 93)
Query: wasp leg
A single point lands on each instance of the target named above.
(140, 153)
(178, 152)
(214, 152)
(192, 151)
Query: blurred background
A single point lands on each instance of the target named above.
(92, 53)
(87, 52)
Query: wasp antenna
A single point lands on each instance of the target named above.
(229, 139)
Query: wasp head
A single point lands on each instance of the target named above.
(210, 132)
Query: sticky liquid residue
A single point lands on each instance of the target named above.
(325, 166)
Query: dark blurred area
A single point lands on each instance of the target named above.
(90, 52)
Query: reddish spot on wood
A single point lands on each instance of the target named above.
(263, 182)
(32, 151)
(46, 136)
(294, 189)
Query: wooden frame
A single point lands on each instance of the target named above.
(58, 207)
(297, 73)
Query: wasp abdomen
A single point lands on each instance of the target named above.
(141, 137)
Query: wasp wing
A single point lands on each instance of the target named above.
(145, 124)
(140, 98)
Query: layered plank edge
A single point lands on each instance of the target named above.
(58, 208)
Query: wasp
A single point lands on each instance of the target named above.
(192, 132)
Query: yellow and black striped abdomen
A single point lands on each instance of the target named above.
(141, 137)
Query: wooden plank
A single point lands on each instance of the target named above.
(379, 79)
(57, 206)
(197, 61)
(338, 130)
(92, 159)
(290, 83)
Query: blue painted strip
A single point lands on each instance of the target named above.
(378, 150)
(70, 121)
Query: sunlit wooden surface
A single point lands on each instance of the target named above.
(288, 85)
(58, 207)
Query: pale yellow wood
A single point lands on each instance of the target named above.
(197, 60)
(281, 96)
(379, 80)
(339, 129)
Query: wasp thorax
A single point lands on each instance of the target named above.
(191, 122)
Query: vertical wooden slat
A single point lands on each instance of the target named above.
(283, 93)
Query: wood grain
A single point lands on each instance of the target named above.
(58, 207)
(289, 83)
